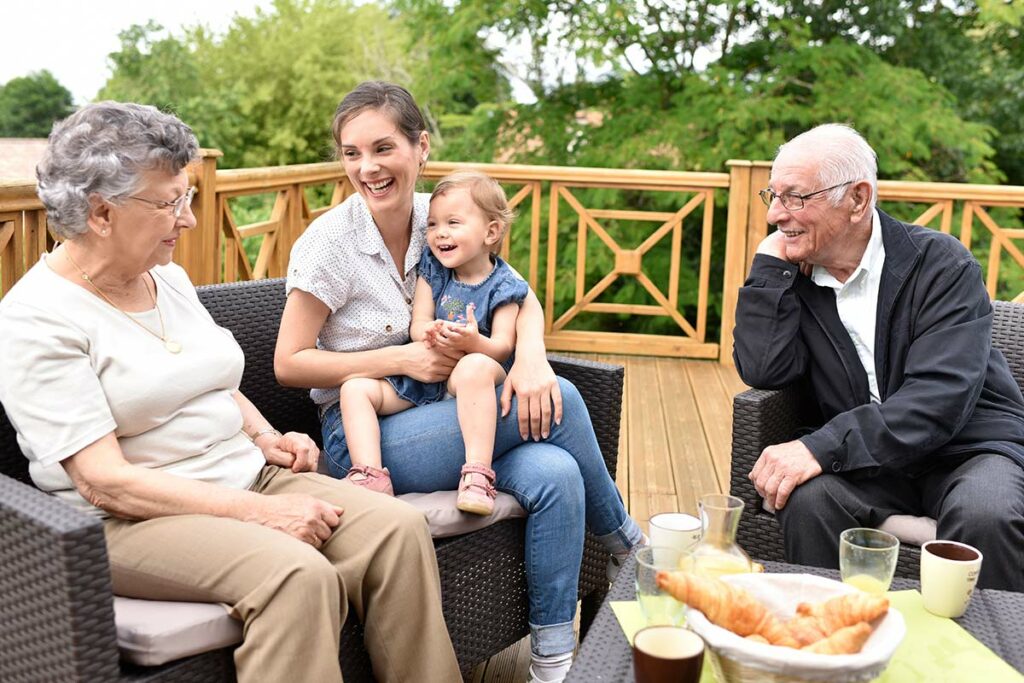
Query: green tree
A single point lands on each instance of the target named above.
(265, 92)
(30, 104)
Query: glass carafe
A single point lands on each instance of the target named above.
(717, 553)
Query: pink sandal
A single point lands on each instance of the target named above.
(372, 478)
(476, 489)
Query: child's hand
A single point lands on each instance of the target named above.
(463, 338)
(430, 334)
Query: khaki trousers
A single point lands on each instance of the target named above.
(291, 598)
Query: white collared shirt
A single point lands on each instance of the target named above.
(857, 300)
(341, 259)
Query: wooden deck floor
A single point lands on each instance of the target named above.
(674, 446)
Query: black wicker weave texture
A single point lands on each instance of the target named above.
(762, 418)
(56, 617)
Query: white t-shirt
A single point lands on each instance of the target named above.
(342, 260)
(73, 369)
(857, 301)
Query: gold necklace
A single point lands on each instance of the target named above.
(169, 344)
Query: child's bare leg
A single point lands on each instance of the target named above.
(362, 400)
(472, 383)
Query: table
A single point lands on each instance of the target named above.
(994, 617)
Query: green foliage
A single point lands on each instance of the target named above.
(264, 93)
(30, 104)
(936, 87)
(688, 86)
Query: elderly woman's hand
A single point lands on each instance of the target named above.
(540, 399)
(299, 515)
(293, 450)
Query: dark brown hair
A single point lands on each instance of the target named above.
(381, 96)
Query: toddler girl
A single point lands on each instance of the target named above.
(467, 300)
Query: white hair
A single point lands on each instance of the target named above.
(103, 149)
(843, 155)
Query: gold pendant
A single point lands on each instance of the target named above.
(172, 346)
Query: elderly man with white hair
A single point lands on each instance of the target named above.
(890, 325)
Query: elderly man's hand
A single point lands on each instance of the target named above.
(293, 450)
(780, 469)
(772, 245)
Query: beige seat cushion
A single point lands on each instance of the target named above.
(908, 528)
(446, 520)
(153, 632)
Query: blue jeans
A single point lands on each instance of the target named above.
(562, 483)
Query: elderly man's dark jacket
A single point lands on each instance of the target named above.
(945, 391)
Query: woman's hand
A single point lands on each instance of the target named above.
(540, 399)
(428, 364)
(293, 450)
(299, 515)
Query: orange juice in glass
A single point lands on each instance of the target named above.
(867, 559)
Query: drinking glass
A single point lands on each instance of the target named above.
(867, 559)
(658, 607)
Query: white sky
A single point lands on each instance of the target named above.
(72, 38)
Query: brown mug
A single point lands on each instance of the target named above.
(667, 654)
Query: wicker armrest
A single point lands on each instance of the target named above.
(760, 419)
(600, 385)
(56, 615)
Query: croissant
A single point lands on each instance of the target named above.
(845, 641)
(820, 620)
(731, 608)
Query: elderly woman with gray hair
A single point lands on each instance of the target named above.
(124, 395)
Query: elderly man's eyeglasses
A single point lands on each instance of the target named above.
(791, 200)
(176, 206)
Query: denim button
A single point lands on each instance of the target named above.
(836, 467)
(787, 274)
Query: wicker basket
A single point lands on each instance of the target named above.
(737, 660)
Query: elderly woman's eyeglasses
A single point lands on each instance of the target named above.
(791, 200)
(176, 206)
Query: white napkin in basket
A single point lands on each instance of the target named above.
(781, 593)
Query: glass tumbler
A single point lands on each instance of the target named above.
(867, 559)
(658, 607)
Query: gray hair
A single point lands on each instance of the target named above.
(843, 155)
(103, 149)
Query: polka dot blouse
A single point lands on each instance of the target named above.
(341, 259)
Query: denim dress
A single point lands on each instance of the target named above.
(451, 297)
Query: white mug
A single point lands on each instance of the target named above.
(675, 530)
(949, 572)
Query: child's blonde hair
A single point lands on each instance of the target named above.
(486, 194)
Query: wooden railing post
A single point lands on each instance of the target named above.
(199, 251)
(735, 250)
(757, 218)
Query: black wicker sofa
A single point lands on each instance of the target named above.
(56, 613)
(765, 417)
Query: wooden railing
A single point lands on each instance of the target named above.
(557, 205)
